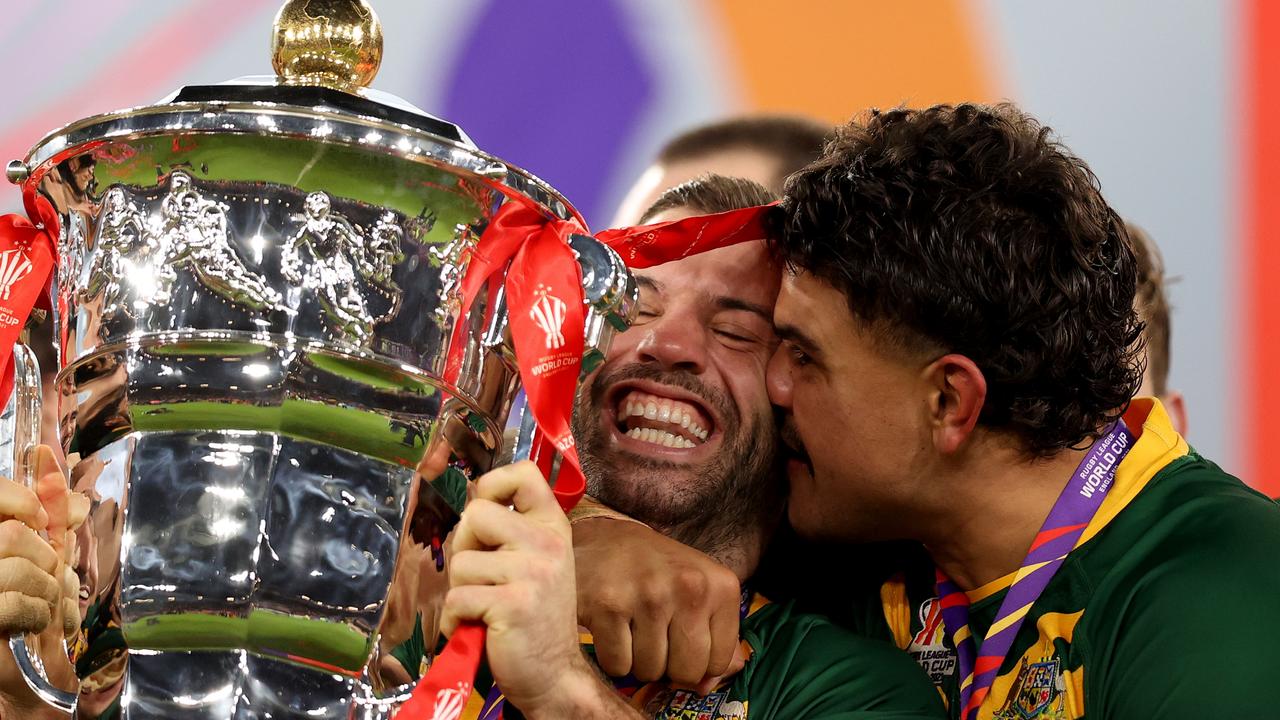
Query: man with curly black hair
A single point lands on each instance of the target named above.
(959, 351)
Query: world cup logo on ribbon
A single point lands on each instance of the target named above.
(450, 702)
(14, 266)
(548, 313)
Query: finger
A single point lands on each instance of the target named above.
(18, 540)
(19, 575)
(737, 661)
(725, 623)
(467, 603)
(20, 613)
(611, 635)
(523, 486)
(485, 525)
(649, 643)
(689, 640)
(479, 567)
(70, 600)
(21, 503)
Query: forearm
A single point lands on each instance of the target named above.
(582, 695)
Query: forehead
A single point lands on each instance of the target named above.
(812, 308)
(744, 271)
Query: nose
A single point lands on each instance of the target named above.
(778, 379)
(675, 341)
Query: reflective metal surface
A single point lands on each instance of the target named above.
(334, 43)
(255, 301)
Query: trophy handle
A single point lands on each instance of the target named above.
(20, 428)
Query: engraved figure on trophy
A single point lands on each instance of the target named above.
(326, 254)
(192, 232)
(447, 258)
(121, 230)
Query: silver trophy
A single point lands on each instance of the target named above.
(258, 290)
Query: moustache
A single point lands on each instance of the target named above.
(791, 439)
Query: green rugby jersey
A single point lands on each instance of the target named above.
(1169, 606)
(801, 667)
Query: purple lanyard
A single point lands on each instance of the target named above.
(1068, 518)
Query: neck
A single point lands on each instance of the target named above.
(737, 546)
(984, 526)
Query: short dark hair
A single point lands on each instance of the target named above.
(971, 229)
(710, 193)
(793, 140)
(1153, 306)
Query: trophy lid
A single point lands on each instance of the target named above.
(325, 54)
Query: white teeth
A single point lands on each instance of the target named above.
(630, 409)
(664, 413)
(659, 437)
(651, 411)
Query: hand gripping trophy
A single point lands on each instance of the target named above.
(258, 348)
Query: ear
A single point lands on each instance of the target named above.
(957, 391)
(1176, 405)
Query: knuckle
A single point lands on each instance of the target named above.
(691, 583)
(609, 602)
(654, 599)
(723, 583)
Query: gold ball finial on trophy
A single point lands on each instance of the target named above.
(332, 43)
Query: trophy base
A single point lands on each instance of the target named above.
(232, 685)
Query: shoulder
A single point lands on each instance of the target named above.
(803, 660)
(1195, 517)
(1183, 590)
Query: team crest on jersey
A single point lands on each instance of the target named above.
(927, 646)
(685, 705)
(1038, 693)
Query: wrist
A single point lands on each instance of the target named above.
(580, 693)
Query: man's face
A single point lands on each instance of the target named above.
(854, 417)
(676, 426)
(660, 177)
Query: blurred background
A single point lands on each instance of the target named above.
(1175, 105)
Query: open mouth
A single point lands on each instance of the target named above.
(663, 417)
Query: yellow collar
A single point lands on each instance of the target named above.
(1158, 445)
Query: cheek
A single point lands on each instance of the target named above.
(744, 375)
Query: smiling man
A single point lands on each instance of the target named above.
(676, 430)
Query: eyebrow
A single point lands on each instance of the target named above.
(644, 281)
(795, 335)
(722, 302)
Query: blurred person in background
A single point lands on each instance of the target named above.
(762, 148)
(1153, 308)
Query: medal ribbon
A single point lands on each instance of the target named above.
(27, 256)
(1067, 520)
(546, 312)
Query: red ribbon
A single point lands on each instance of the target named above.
(27, 256)
(546, 313)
